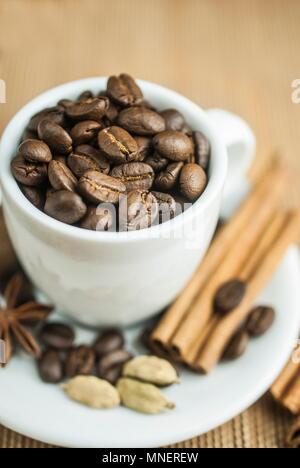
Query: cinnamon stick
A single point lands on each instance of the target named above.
(228, 235)
(291, 399)
(283, 383)
(293, 435)
(266, 240)
(187, 334)
(221, 335)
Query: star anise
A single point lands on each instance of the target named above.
(14, 313)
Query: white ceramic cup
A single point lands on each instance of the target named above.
(110, 278)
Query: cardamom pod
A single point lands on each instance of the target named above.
(142, 397)
(151, 369)
(91, 391)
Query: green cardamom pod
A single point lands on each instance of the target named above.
(151, 369)
(142, 397)
(91, 391)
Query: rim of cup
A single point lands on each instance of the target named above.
(195, 116)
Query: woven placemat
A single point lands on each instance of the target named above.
(264, 425)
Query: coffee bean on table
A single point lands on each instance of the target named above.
(60, 176)
(55, 136)
(157, 162)
(98, 219)
(167, 179)
(237, 346)
(115, 358)
(87, 158)
(108, 341)
(166, 206)
(144, 146)
(50, 366)
(57, 335)
(202, 150)
(174, 120)
(229, 295)
(141, 121)
(97, 187)
(80, 361)
(138, 211)
(124, 90)
(28, 173)
(261, 318)
(192, 181)
(65, 206)
(84, 132)
(135, 175)
(35, 151)
(118, 145)
(90, 109)
(34, 195)
(173, 145)
(54, 114)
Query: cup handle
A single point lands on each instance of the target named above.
(240, 142)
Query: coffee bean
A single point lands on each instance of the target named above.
(108, 341)
(124, 90)
(97, 187)
(55, 136)
(54, 114)
(85, 95)
(135, 175)
(98, 219)
(141, 121)
(50, 366)
(115, 358)
(173, 145)
(167, 179)
(202, 150)
(28, 173)
(85, 131)
(118, 145)
(61, 158)
(229, 295)
(192, 181)
(34, 195)
(90, 109)
(57, 335)
(80, 361)
(92, 160)
(65, 206)
(60, 176)
(144, 147)
(35, 151)
(157, 162)
(166, 206)
(237, 346)
(65, 103)
(138, 211)
(182, 203)
(28, 135)
(174, 120)
(112, 374)
(261, 318)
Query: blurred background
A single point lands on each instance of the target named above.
(242, 55)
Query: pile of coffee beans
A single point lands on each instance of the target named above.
(62, 359)
(111, 161)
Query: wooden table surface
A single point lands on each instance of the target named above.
(242, 55)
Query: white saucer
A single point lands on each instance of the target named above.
(43, 412)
